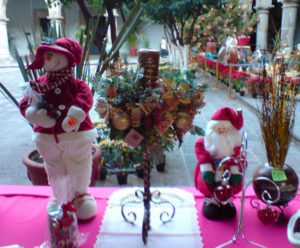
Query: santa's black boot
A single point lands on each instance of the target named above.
(211, 209)
(227, 211)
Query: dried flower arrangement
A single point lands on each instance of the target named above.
(277, 116)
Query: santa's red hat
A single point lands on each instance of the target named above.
(66, 46)
(228, 114)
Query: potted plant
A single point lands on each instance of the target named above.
(276, 118)
(118, 155)
(253, 85)
(242, 88)
(132, 41)
(139, 168)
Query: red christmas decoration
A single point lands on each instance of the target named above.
(267, 215)
(243, 40)
(223, 192)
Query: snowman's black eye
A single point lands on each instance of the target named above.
(48, 55)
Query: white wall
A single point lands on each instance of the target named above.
(153, 33)
(20, 14)
(20, 17)
(72, 20)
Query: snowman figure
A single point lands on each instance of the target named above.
(57, 104)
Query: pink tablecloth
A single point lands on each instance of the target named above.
(23, 219)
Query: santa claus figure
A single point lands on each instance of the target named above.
(57, 104)
(222, 139)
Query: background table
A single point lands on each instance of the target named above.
(23, 219)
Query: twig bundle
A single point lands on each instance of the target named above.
(277, 117)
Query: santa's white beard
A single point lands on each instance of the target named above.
(221, 146)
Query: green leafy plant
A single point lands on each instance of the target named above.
(117, 153)
(102, 130)
(132, 39)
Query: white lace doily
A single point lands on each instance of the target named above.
(183, 231)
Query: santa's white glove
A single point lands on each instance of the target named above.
(73, 119)
(39, 117)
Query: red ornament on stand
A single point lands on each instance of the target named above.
(267, 215)
(223, 193)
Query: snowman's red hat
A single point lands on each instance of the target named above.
(66, 46)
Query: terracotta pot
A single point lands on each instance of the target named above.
(37, 174)
(288, 188)
(133, 52)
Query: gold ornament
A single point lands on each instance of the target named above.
(183, 121)
(121, 121)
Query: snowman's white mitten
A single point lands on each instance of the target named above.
(73, 119)
(39, 117)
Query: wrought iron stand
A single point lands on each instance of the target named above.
(147, 197)
(242, 161)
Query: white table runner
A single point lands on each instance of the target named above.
(183, 231)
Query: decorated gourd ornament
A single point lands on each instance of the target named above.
(121, 121)
(184, 121)
(58, 105)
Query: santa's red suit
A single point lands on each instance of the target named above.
(205, 159)
(210, 154)
(63, 130)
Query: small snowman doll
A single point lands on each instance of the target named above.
(57, 104)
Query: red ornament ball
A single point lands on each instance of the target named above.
(223, 193)
(267, 215)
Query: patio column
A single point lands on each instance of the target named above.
(5, 56)
(289, 21)
(55, 16)
(263, 8)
